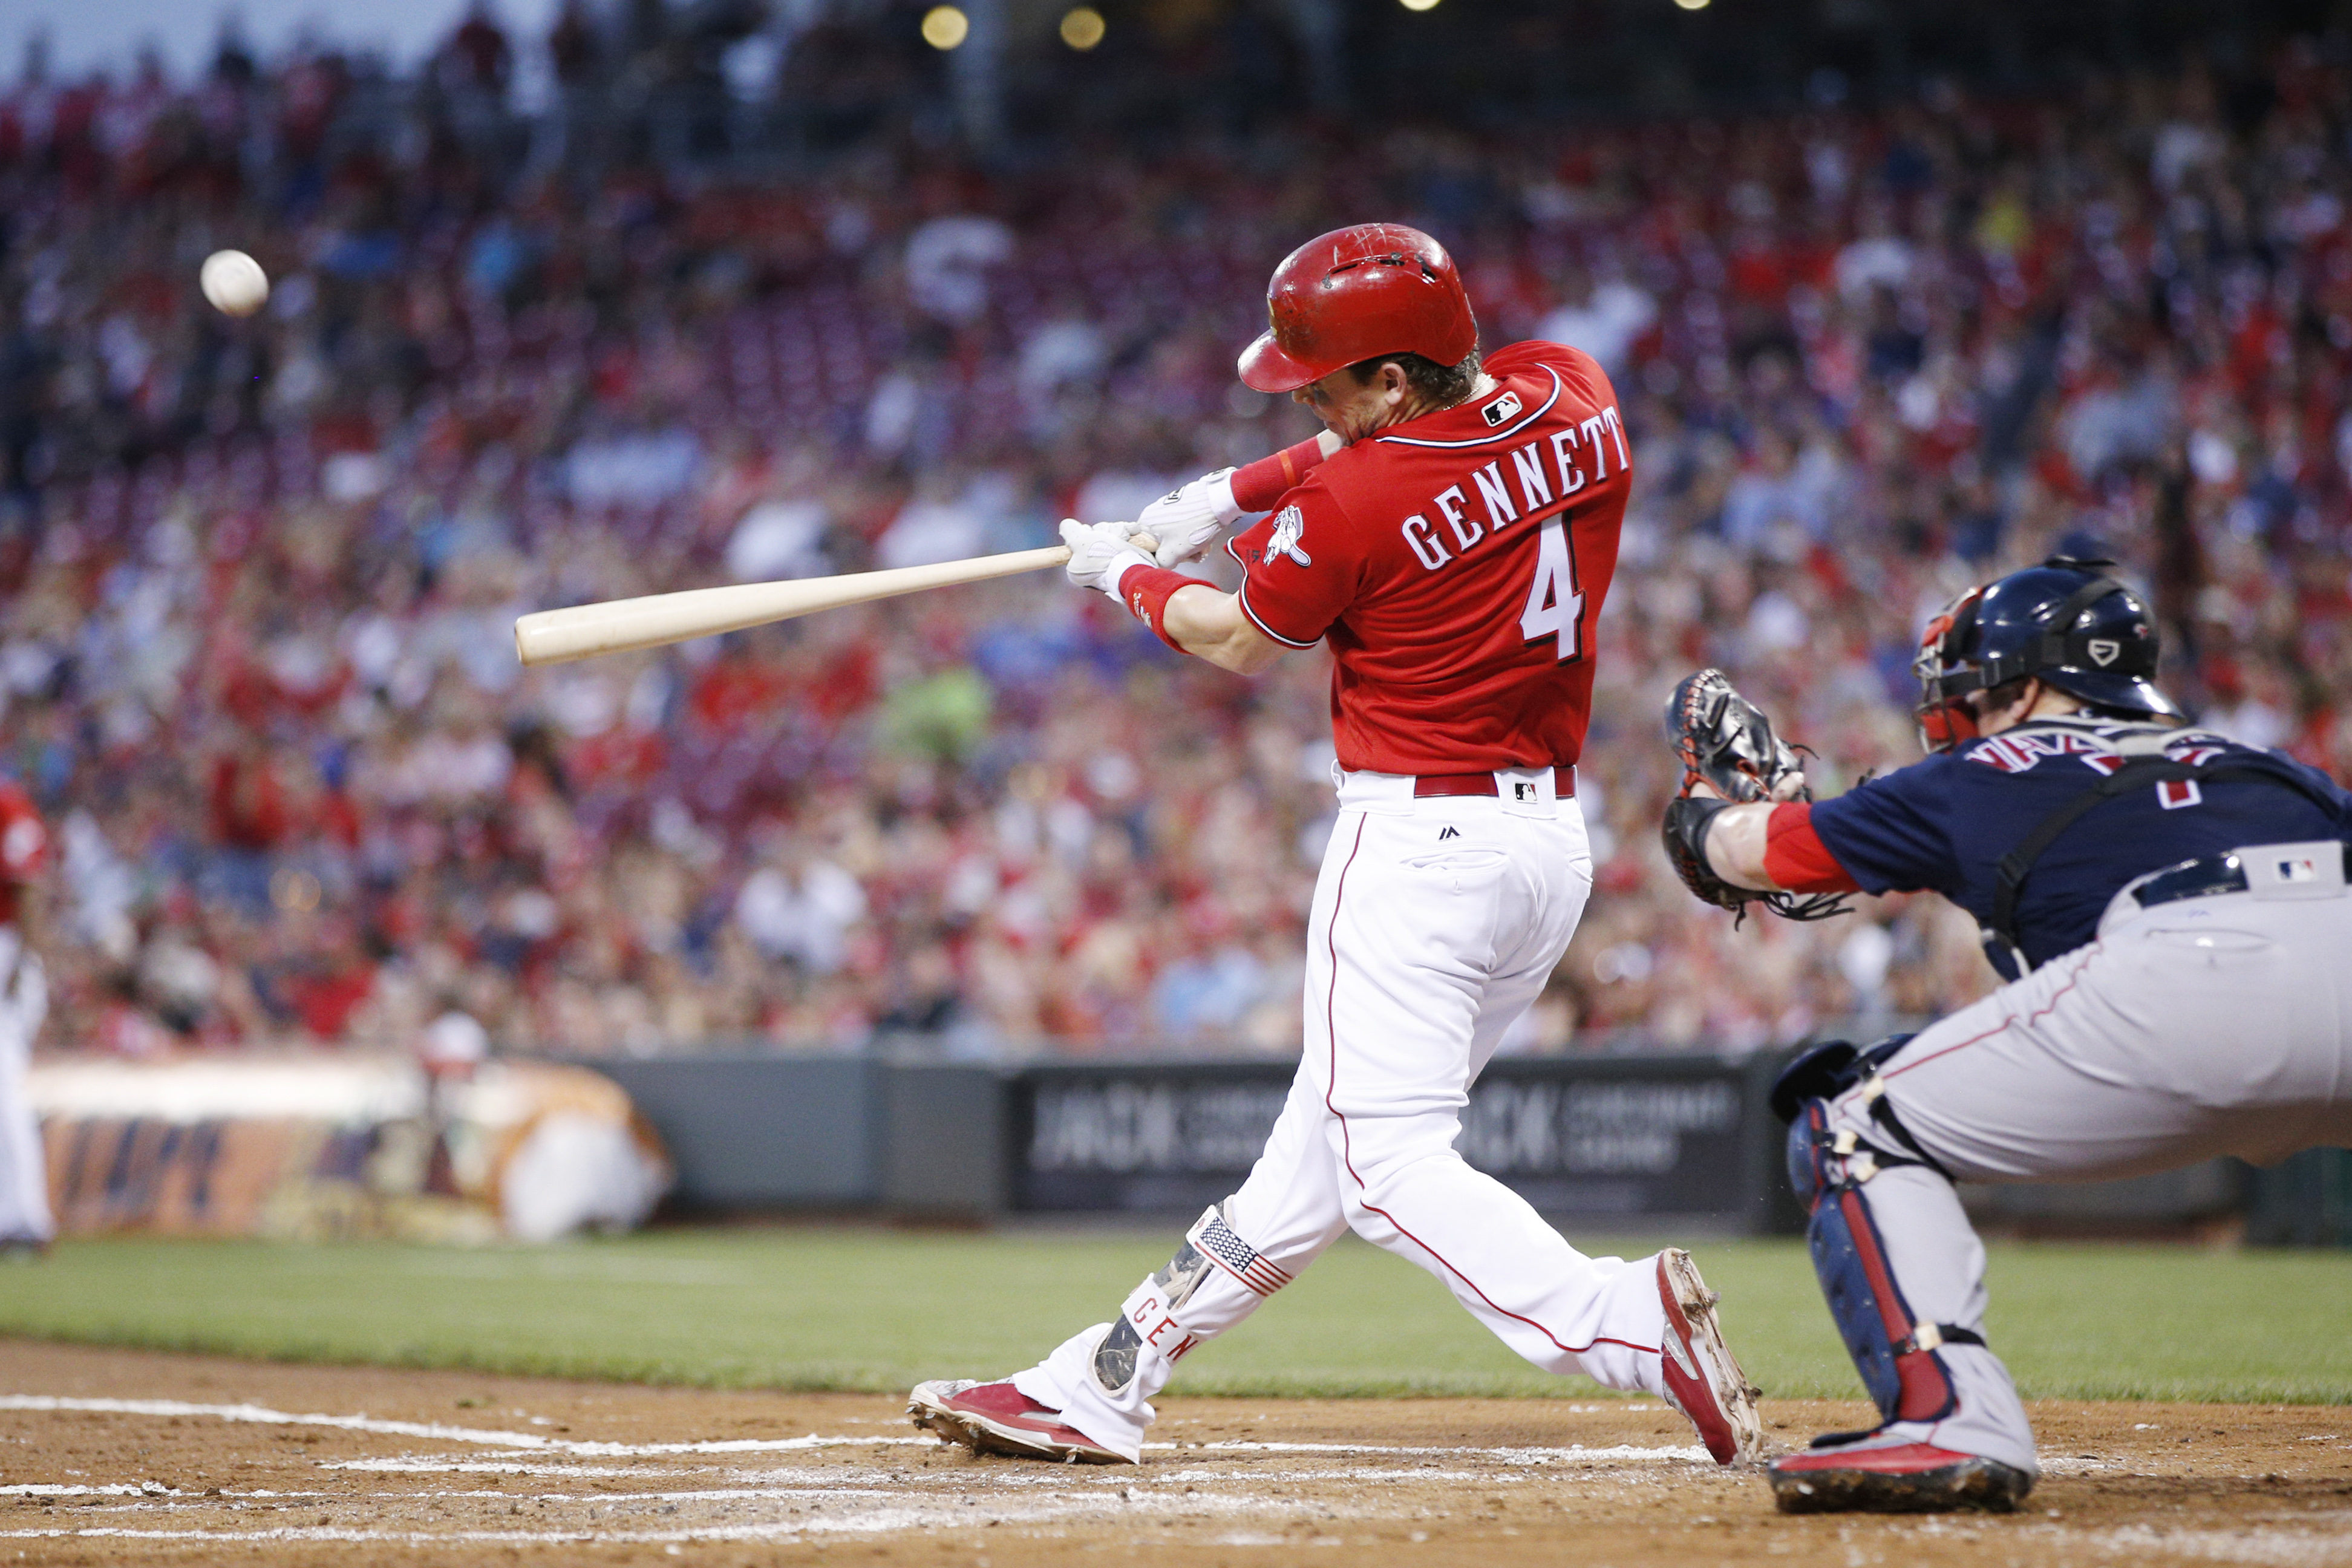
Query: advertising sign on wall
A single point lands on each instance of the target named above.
(1574, 1137)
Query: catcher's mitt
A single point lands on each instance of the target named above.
(1722, 738)
(1725, 739)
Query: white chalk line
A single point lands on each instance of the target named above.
(994, 1478)
(535, 1443)
(1507, 1455)
(260, 1414)
(875, 1510)
(1013, 1495)
(156, 1491)
(525, 1442)
(831, 1510)
(950, 1487)
(410, 1464)
(2267, 1547)
(893, 1517)
(1016, 1475)
(784, 1486)
(740, 1445)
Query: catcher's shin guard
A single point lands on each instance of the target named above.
(1896, 1355)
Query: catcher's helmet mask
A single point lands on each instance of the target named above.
(2065, 623)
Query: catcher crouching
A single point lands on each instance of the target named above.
(2168, 911)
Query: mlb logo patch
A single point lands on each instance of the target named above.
(1522, 790)
(2297, 870)
(1502, 408)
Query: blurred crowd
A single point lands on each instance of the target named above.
(255, 647)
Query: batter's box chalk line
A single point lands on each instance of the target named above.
(524, 1443)
(1224, 1481)
(890, 1513)
(519, 1442)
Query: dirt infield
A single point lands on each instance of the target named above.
(109, 1457)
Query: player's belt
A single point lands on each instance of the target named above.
(1427, 785)
(2204, 877)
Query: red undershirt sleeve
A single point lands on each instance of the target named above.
(1260, 486)
(1796, 858)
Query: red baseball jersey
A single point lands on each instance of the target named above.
(24, 846)
(1456, 562)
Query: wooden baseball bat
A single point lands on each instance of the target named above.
(618, 625)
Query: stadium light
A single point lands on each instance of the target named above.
(1082, 27)
(1693, 5)
(945, 27)
(1419, 5)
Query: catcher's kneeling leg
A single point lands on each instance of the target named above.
(1898, 1354)
(1903, 1271)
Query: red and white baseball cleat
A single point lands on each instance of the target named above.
(998, 1418)
(1703, 1380)
(1898, 1478)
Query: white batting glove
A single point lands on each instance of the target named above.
(1185, 520)
(1099, 553)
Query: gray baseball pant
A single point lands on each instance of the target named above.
(2219, 1025)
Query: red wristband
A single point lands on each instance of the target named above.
(1144, 590)
(1258, 486)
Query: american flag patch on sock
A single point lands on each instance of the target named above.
(1216, 1239)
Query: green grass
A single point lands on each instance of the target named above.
(842, 1308)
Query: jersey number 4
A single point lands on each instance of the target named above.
(1555, 609)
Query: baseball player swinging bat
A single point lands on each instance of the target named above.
(621, 625)
(1450, 534)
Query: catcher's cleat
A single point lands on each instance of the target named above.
(998, 1418)
(1905, 1478)
(1703, 1380)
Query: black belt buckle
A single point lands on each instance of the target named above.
(2192, 880)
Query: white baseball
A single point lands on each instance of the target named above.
(234, 282)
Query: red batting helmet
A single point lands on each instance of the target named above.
(1375, 289)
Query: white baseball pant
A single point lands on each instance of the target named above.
(1435, 924)
(24, 1170)
(2212, 1026)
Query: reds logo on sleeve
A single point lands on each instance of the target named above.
(1289, 523)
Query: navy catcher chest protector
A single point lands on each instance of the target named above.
(1897, 1357)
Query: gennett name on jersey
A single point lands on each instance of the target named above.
(1455, 564)
(1560, 453)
